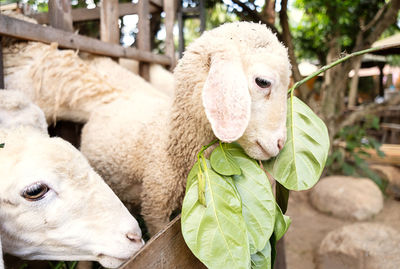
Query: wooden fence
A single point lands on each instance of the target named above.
(60, 17)
(167, 249)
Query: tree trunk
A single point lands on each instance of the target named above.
(288, 41)
(333, 89)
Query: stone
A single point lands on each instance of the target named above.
(391, 175)
(360, 245)
(347, 197)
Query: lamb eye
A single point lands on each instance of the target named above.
(35, 191)
(263, 83)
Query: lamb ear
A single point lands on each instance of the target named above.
(226, 99)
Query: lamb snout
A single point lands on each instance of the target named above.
(281, 143)
(134, 237)
(266, 146)
(128, 245)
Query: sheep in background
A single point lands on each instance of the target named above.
(63, 85)
(16, 109)
(231, 84)
(53, 206)
(160, 78)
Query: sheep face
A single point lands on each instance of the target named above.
(55, 207)
(265, 134)
(245, 91)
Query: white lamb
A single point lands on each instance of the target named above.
(63, 85)
(160, 78)
(231, 84)
(53, 206)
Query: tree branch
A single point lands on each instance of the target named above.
(389, 17)
(255, 17)
(376, 18)
(370, 109)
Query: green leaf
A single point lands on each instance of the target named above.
(299, 165)
(201, 188)
(192, 177)
(348, 169)
(258, 202)
(216, 234)
(223, 162)
(282, 223)
(1, 145)
(262, 259)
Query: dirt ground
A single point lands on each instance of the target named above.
(309, 227)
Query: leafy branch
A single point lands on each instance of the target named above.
(339, 61)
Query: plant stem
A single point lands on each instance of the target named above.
(339, 61)
(204, 148)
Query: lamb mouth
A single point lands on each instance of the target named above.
(262, 149)
(111, 261)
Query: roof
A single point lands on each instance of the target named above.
(391, 40)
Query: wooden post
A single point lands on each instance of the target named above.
(181, 22)
(354, 84)
(1, 65)
(381, 90)
(60, 15)
(170, 8)
(109, 29)
(202, 11)
(144, 36)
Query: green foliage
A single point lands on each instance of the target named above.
(258, 203)
(216, 14)
(323, 20)
(302, 160)
(282, 223)
(39, 5)
(63, 265)
(1, 145)
(350, 159)
(262, 259)
(223, 162)
(218, 228)
(234, 226)
(231, 196)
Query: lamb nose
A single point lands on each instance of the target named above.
(280, 144)
(134, 237)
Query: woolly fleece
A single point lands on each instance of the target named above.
(144, 147)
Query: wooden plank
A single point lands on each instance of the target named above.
(158, 3)
(170, 10)
(390, 126)
(109, 29)
(165, 250)
(12, 6)
(29, 31)
(392, 155)
(60, 15)
(84, 14)
(143, 37)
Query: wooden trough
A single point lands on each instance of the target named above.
(165, 250)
